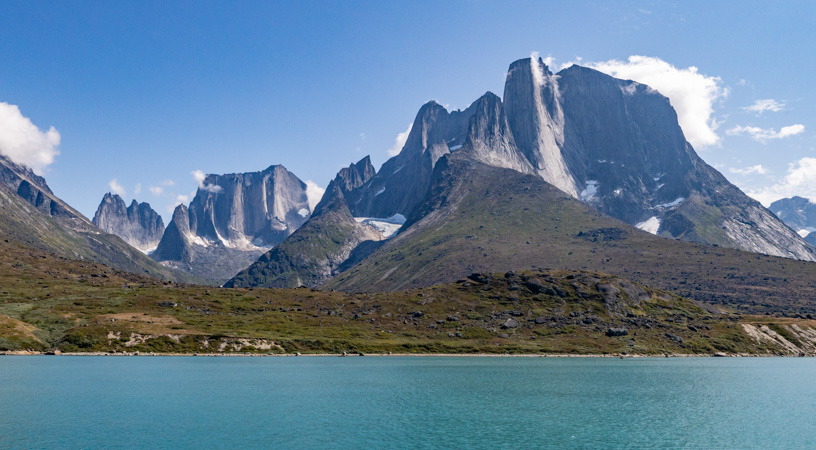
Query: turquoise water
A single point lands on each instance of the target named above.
(392, 402)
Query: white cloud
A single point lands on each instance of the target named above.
(765, 134)
(116, 188)
(314, 193)
(182, 199)
(757, 169)
(742, 82)
(692, 94)
(362, 136)
(769, 104)
(156, 190)
(138, 189)
(24, 143)
(399, 142)
(798, 181)
(199, 176)
(168, 183)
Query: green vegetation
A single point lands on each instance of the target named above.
(52, 303)
(486, 219)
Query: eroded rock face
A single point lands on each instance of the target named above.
(233, 219)
(318, 249)
(138, 224)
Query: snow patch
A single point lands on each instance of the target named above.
(806, 231)
(303, 212)
(590, 191)
(387, 226)
(651, 225)
(148, 251)
(672, 204)
(398, 169)
(380, 191)
(456, 147)
(660, 186)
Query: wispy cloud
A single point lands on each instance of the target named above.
(761, 106)
(24, 143)
(138, 189)
(751, 170)
(766, 134)
(797, 181)
(156, 190)
(168, 183)
(399, 142)
(314, 193)
(692, 94)
(199, 176)
(116, 188)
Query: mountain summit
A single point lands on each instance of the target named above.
(232, 220)
(138, 224)
(613, 144)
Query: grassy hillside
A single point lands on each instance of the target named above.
(21, 222)
(484, 219)
(48, 302)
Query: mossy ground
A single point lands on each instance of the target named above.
(48, 302)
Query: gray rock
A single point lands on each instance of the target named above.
(138, 224)
(234, 219)
(617, 332)
(510, 323)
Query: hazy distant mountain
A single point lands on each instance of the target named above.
(232, 220)
(138, 224)
(798, 213)
(33, 216)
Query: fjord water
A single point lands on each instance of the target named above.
(412, 402)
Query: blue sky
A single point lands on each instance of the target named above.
(148, 92)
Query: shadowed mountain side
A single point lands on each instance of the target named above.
(478, 218)
(311, 254)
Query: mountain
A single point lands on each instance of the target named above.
(614, 144)
(313, 253)
(798, 213)
(477, 218)
(232, 220)
(36, 218)
(138, 224)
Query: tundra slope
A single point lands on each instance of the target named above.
(478, 218)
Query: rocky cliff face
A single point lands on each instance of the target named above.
(31, 215)
(611, 143)
(138, 224)
(318, 249)
(233, 219)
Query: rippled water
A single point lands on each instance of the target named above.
(393, 402)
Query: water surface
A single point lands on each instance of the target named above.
(411, 402)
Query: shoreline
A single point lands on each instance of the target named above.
(416, 355)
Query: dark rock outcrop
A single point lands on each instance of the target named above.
(138, 224)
